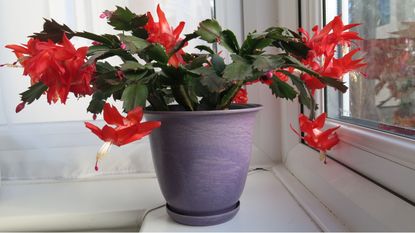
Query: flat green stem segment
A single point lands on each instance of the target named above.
(228, 95)
(181, 96)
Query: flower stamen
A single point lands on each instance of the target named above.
(102, 152)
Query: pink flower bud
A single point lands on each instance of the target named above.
(120, 74)
(123, 46)
(106, 14)
(269, 74)
(20, 107)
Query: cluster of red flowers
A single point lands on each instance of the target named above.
(165, 35)
(321, 56)
(60, 67)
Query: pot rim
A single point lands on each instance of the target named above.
(237, 108)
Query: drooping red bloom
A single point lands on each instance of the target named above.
(321, 56)
(126, 129)
(314, 136)
(241, 97)
(61, 67)
(165, 35)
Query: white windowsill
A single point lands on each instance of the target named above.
(266, 205)
(272, 201)
(112, 203)
(119, 204)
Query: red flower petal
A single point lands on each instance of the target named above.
(178, 30)
(112, 116)
(126, 135)
(241, 97)
(109, 134)
(319, 121)
(135, 116)
(94, 129)
(164, 25)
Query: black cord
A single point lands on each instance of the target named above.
(146, 213)
(257, 169)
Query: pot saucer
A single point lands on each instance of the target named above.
(203, 220)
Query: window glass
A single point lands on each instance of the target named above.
(383, 97)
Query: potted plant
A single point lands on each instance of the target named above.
(196, 104)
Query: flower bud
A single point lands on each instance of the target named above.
(20, 107)
(120, 74)
(269, 74)
(123, 45)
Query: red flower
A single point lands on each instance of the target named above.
(267, 77)
(127, 129)
(312, 83)
(343, 65)
(314, 136)
(323, 44)
(283, 77)
(165, 35)
(241, 97)
(334, 33)
(61, 67)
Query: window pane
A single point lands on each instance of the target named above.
(384, 97)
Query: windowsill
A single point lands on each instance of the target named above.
(266, 205)
(319, 198)
(96, 203)
(115, 203)
(119, 203)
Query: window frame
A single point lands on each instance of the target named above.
(365, 151)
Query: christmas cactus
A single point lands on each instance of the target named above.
(157, 71)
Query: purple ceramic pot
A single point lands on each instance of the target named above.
(201, 160)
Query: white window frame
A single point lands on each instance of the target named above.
(386, 162)
(371, 148)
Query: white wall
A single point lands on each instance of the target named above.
(272, 136)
